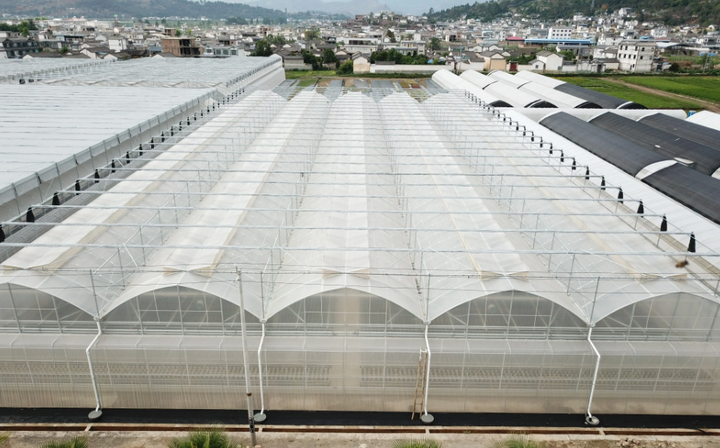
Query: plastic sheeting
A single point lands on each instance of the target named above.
(699, 157)
(627, 156)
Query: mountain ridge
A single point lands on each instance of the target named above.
(136, 8)
(670, 12)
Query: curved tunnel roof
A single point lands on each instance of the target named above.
(701, 158)
(685, 129)
(382, 195)
(627, 156)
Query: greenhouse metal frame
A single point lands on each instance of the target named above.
(364, 228)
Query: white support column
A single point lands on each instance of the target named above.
(97, 413)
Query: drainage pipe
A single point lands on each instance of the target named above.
(589, 418)
(94, 415)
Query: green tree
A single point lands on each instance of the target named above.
(262, 48)
(329, 57)
(178, 33)
(312, 34)
(568, 55)
(346, 68)
(64, 50)
(674, 67)
(163, 21)
(434, 43)
(391, 35)
(311, 59)
(278, 40)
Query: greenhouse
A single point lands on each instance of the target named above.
(388, 252)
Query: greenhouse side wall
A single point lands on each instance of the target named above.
(358, 374)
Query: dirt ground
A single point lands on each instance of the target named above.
(317, 440)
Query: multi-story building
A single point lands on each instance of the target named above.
(13, 46)
(181, 46)
(558, 32)
(636, 56)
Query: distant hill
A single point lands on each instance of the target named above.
(670, 12)
(348, 8)
(135, 8)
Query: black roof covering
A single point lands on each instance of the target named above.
(603, 100)
(706, 159)
(694, 190)
(541, 104)
(682, 128)
(622, 153)
(500, 103)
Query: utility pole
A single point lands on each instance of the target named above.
(251, 415)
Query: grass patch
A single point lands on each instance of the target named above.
(410, 443)
(75, 442)
(3, 437)
(703, 87)
(301, 74)
(649, 100)
(305, 82)
(209, 438)
(516, 441)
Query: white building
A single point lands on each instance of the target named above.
(558, 32)
(636, 56)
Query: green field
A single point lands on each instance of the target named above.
(703, 87)
(629, 94)
(303, 74)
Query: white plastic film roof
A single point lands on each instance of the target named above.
(12, 70)
(706, 118)
(452, 82)
(540, 79)
(47, 131)
(220, 73)
(429, 205)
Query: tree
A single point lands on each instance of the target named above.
(391, 35)
(188, 32)
(329, 57)
(434, 44)
(346, 68)
(64, 50)
(311, 59)
(568, 55)
(163, 21)
(312, 34)
(674, 67)
(178, 33)
(262, 48)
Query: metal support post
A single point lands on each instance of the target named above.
(97, 413)
(589, 418)
(427, 418)
(251, 417)
(260, 416)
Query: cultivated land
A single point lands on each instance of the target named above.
(654, 92)
(654, 99)
(702, 87)
(323, 78)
